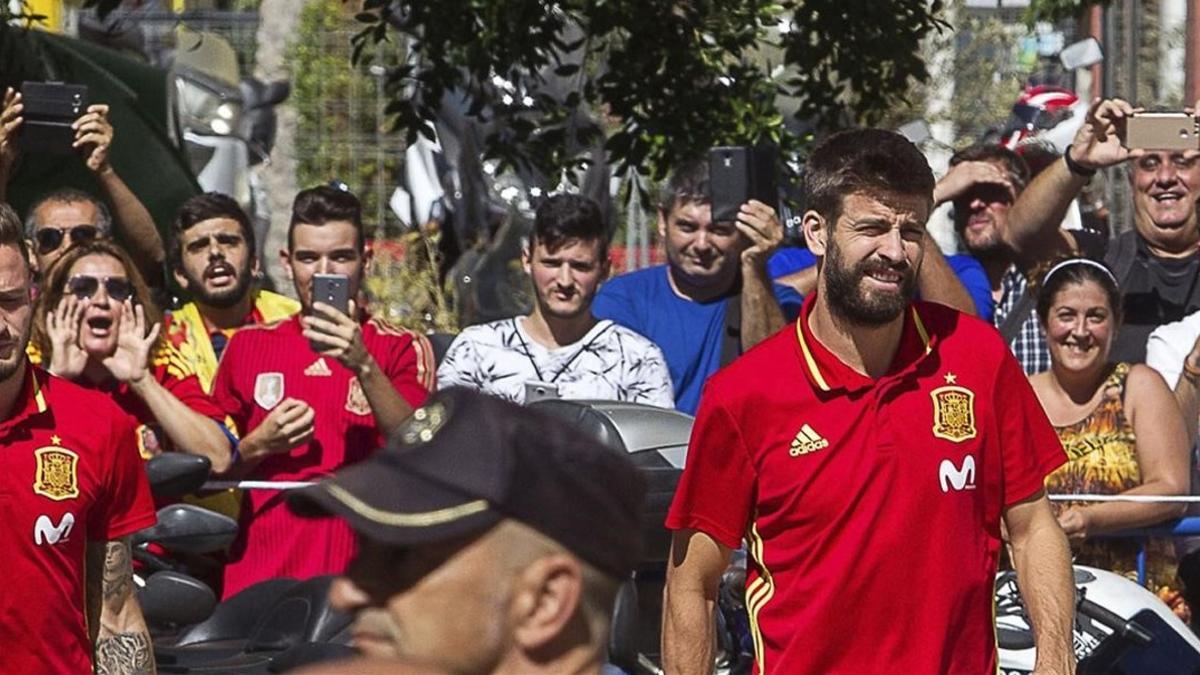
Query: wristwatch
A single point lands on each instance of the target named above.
(1074, 167)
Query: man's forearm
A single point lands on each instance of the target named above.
(1035, 217)
(388, 406)
(123, 641)
(188, 430)
(761, 315)
(687, 630)
(133, 226)
(938, 283)
(1043, 561)
(1189, 404)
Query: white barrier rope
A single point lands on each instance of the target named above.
(1142, 499)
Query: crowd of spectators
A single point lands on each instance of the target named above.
(276, 389)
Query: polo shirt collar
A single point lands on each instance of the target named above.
(828, 373)
(31, 401)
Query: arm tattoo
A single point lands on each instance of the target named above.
(118, 570)
(124, 654)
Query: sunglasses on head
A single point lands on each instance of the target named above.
(50, 238)
(84, 286)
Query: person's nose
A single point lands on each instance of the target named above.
(346, 596)
(891, 246)
(564, 276)
(1166, 174)
(323, 266)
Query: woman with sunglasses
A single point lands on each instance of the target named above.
(1118, 422)
(95, 324)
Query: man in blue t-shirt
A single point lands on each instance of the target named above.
(713, 298)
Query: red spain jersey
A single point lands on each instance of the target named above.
(69, 475)
(264, 365)
(871, 508)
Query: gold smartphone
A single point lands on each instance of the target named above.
(1162, 131)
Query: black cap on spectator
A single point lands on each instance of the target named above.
(465, 460)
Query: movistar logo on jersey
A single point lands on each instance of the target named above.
(957, 478)
(46, 532)
(807, 441)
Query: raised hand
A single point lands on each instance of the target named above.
(966, 175)
(10, 122)
(337, 335)
(67, 358)
(758, 223)
(1099, 143)
(93, 128)
(130, 362)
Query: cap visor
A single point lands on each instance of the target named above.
(393, 507)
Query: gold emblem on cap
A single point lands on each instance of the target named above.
(424, 423)
(953, 411)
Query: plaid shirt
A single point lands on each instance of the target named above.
(1029, 344)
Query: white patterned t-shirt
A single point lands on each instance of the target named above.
(609, 363)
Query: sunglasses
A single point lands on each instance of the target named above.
(84, 286)
(50, 238)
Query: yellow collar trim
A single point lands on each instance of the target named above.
(808, 357)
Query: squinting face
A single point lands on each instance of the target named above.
(704, 252)
(1079, 327)
(565, 280)
(331, 248)
(101, 322)
(1166, 186)
(15, 309)
(216, 265)
(872, 256)
(980, 215)
(440, 604)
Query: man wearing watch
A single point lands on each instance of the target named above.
(1155, 258)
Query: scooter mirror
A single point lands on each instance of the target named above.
(276, 92)
(1081, 54)
(174, 474)
(174, 599)
(186, 528)
(917, 131)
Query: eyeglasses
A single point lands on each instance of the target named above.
(84, 286)
(50, 238)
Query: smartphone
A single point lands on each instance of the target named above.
(540, 391)
(50, 109)
(738, 174)
(333, 290)
(1162, 131)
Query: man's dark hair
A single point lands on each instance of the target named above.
(69, 196)
(1014, 164)
(873, 161)
(687, 183)
(11, 233)
(564, 217)
(206, 207)
(323, 204)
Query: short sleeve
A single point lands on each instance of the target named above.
(718, 483)
(225, 395)
(613, 302)
(789, 300)
(126, 505)
(1165, 357)
(459, 365)
(190, 393)
(410, 366)
(974, 278)
(1029, 447)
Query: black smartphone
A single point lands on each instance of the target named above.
(738, 174)
(50, 109)
(333, 290)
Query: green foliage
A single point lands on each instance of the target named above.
(671, 78)
(1057, 10)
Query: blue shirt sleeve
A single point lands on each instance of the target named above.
(613, 303)
(789, 301)
(972, 275)
(785, 261)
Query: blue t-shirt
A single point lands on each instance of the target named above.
(785, 261)
(688, 332)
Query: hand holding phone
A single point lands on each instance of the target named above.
(332, 330)
(50, 109)
(1174, 131)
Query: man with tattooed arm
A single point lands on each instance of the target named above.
(73, 490)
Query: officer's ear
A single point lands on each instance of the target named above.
(546, 602)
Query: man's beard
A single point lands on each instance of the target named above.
(849, 302)
(10, 367)
(223, 298)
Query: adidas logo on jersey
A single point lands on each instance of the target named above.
(318, 369)
(807, 441)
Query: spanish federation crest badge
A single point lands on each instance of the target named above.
(953, 411)
(356, 399)
(57, 473)
(268, 390)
